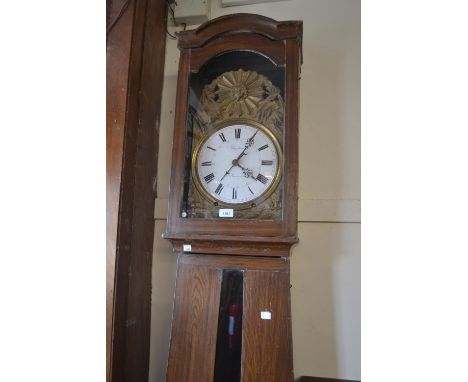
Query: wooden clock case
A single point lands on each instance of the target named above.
(256, 249)
(281, 43)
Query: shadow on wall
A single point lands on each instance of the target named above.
(329, 135)
(325, 265)
(325, 278)
(163, 279)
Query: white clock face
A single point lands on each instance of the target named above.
(238, 163)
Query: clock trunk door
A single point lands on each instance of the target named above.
(231, 320)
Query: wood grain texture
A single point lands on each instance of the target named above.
(291, 136)
(238, 247)
(267, 344)
(195, 324)
(235, 262)
(133, 234)
(178, 142)
(239, 23)
(118, 56)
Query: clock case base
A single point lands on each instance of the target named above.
(266, 354)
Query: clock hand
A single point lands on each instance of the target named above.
(227, 172)
(250, 140)
(247, 171)
(235, 162)
(247, 145)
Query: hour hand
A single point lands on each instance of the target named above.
(248, 173)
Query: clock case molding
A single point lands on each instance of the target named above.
(280, 42)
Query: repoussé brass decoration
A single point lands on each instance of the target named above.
(243, 94)
(238, 95)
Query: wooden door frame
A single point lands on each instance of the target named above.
(135, 66)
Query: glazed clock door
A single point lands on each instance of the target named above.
(234, 139)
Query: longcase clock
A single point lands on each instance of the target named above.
(232, 214)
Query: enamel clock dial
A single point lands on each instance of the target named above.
(237, 164)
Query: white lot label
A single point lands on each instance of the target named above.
(226, 213)
(265, 315)
(187, 247)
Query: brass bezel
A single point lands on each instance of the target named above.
(259, 199)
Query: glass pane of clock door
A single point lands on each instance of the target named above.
(234, 141)
(229, 338)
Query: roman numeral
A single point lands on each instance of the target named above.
(237, 133)
(261, 178)
(223, 138)
(219, 189)
(211, 148)
(250, 190)
(263, 147)
(209, 178)
(234, 193)
(206, 163)
(267, 162)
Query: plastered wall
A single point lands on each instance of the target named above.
(325, 265)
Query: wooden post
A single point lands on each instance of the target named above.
(135, 69)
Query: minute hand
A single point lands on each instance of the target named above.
(235, 162)
(247, 145)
